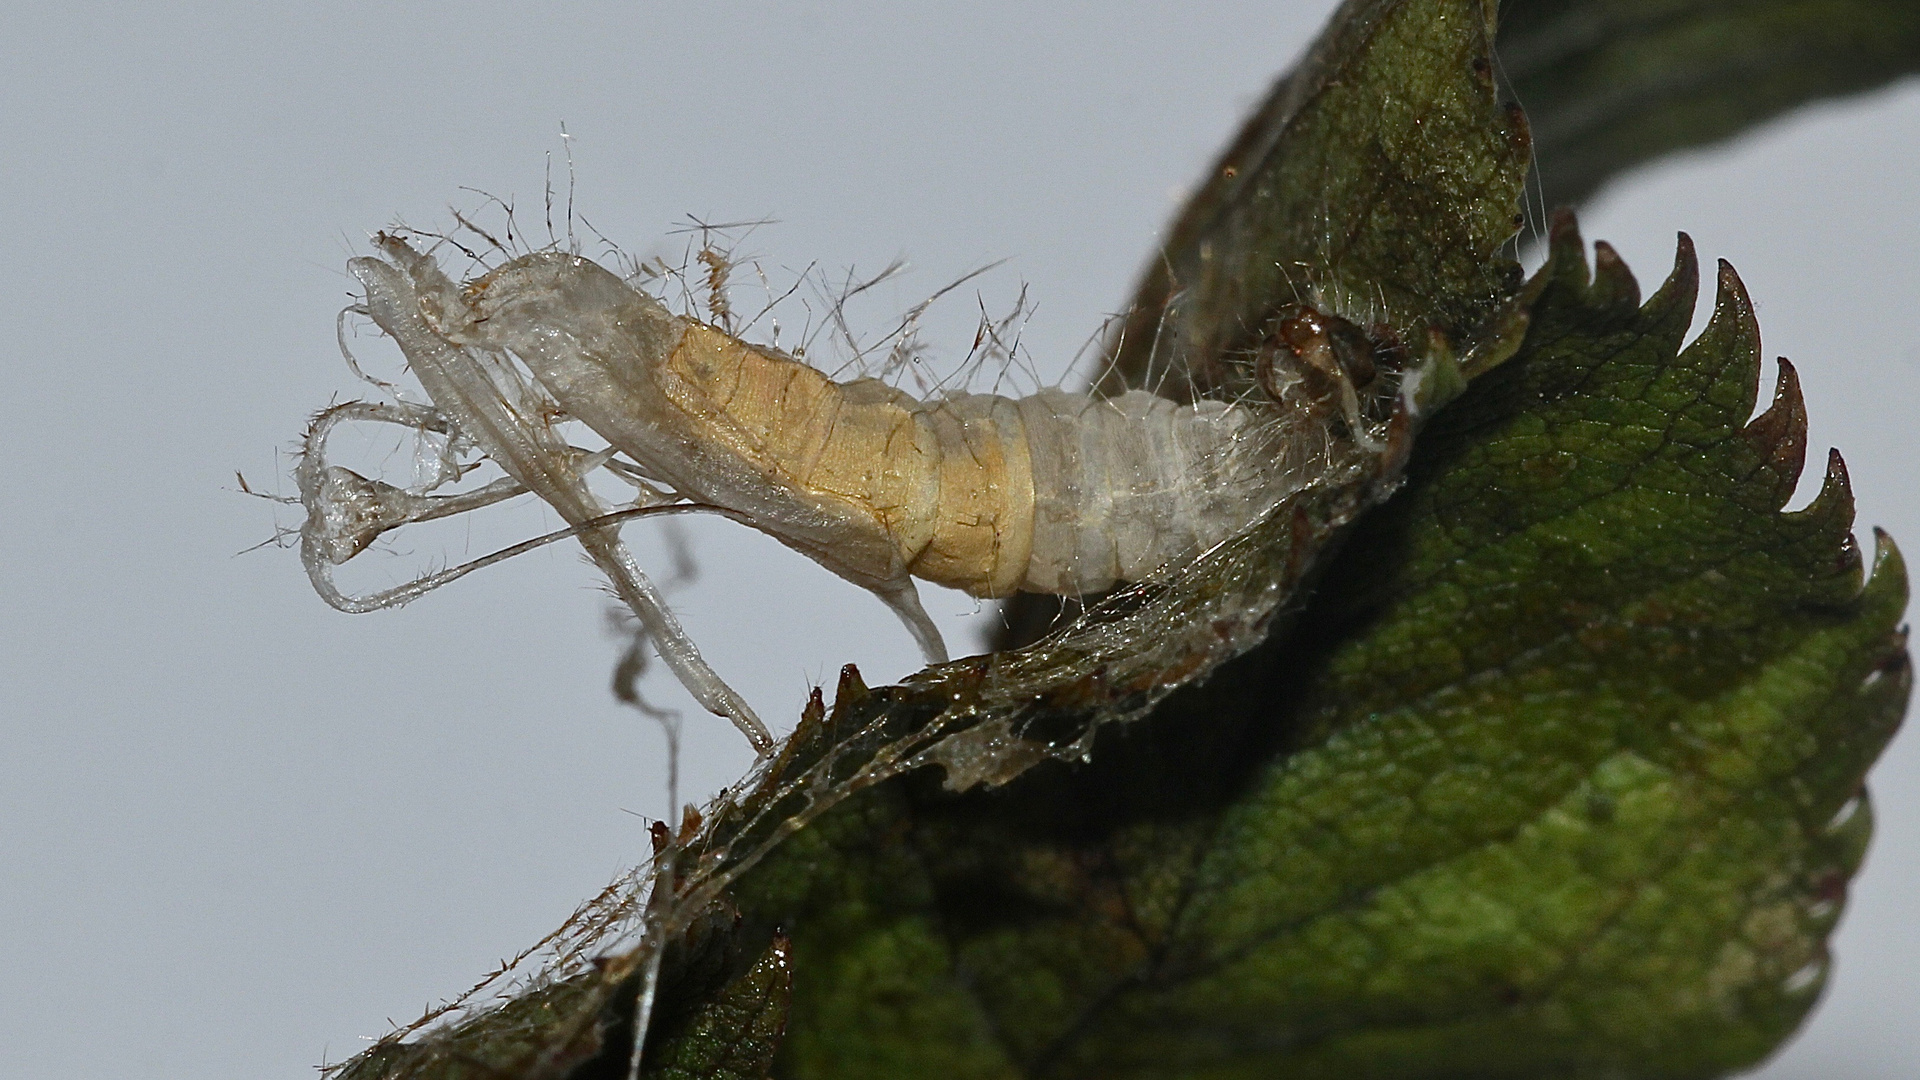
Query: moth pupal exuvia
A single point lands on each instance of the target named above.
(1055, 492)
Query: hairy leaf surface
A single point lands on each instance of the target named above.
(1559, 775)
(1380, 174)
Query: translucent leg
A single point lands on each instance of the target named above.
(492, 404)
(904, 599)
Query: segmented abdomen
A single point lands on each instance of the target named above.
(1057, 492)
(1114, 487)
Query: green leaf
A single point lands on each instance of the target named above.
(1610, 84)
(539, 1033)
(723, 1020)
(733, 1035)
(1383, 173)
(1393, 128)
(1381, 178)
(1550, 777)
(1560, 774)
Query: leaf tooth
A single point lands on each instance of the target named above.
(1613, 284)
(1836, 490)
(1845, 839)
(1888, 560)
(1567, 258)
(1780, 433)
(1887, 584)
(1733, 333)
(850, 693)
(813, 718)
(1833, 508)
(1722, 365)
(1732, 307)
(1676, 295)
(814, 712)
(1892, 673)
(1890, 684)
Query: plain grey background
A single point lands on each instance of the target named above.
(238, 830)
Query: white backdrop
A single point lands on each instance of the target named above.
(238, 830)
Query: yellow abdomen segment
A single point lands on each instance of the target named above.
(948, 484)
